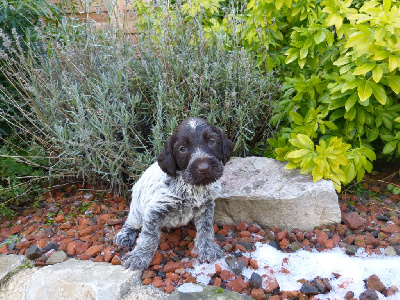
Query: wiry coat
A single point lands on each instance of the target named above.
(179, 188)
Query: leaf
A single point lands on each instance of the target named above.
(278, 4)
(377, 73)
(297, 118)
(303, 53)
(381, 55)
(319, 37)
(288, 3)
(379, 93)
(298, 153)
(291, 55)
(351, 114)
(342, 61)
(389, 147)
(334, 19)
(394, 83)
(349, 85)
(364, 90)
(302, 141)
(364, 68)
(351, 101)
(386, 5)
(356, 39)
(393, 63)
(397, 119)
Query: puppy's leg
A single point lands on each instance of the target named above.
(126, 236)
(208, 250)
(147, 243)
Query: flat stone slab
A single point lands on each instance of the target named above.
(260, 190)
(10, 264)
(201, 292)
(74, 279)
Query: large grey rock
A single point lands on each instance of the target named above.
(75, 279)
(10, 264)
(260, 190)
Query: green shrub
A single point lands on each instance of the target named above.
(340, 70)
(101, 105)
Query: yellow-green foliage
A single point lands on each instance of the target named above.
(339, 62)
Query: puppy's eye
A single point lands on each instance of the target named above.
(182, 149)
(211, 142)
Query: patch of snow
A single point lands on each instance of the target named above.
(190, 288)
(308, 265)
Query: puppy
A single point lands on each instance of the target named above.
(181, 187)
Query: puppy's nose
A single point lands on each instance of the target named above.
(203, 167)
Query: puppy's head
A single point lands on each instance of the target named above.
(198, 149)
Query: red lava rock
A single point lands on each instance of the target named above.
(158, 282)
(172, 266)
(391, 228)
(227, 275)
(71, 249)
(148, 273)
(175, 237)
(173, 276)
(349, 295)
(274, 297)
(391, 291)
(258, 294)
(59, 218)
(15, 229)
(240, 248)
(245, 234)
(147, 281)
(329, 244)
(27, 231)
(94, 250)
(254, 264)
(341, 229)
(81, 247)
(359, 241)
(218, 269)
(254, 228)
(270, 284)
(85, 231)
(169, 289)
(24, 244)
(116, 260)
(114, 222)
(284, 243)
(373, 282)
(99, 258)
(3, 249)
(282, 235)
(217, 282)
(369, 294)
(192, 233)
(108, 254)
(353, 220)
(238, 285)
(64, 226)
(164, 246)
(156, 259)
(322, 237)
(394, 239)
(241, 226)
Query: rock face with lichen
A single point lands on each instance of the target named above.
(260, 190)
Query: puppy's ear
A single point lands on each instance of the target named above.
(166, 159)
(227, 146)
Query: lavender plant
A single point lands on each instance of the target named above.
(99, 104)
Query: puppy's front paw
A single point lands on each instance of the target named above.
(136, 260)
(126, 237)
(209, 252)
